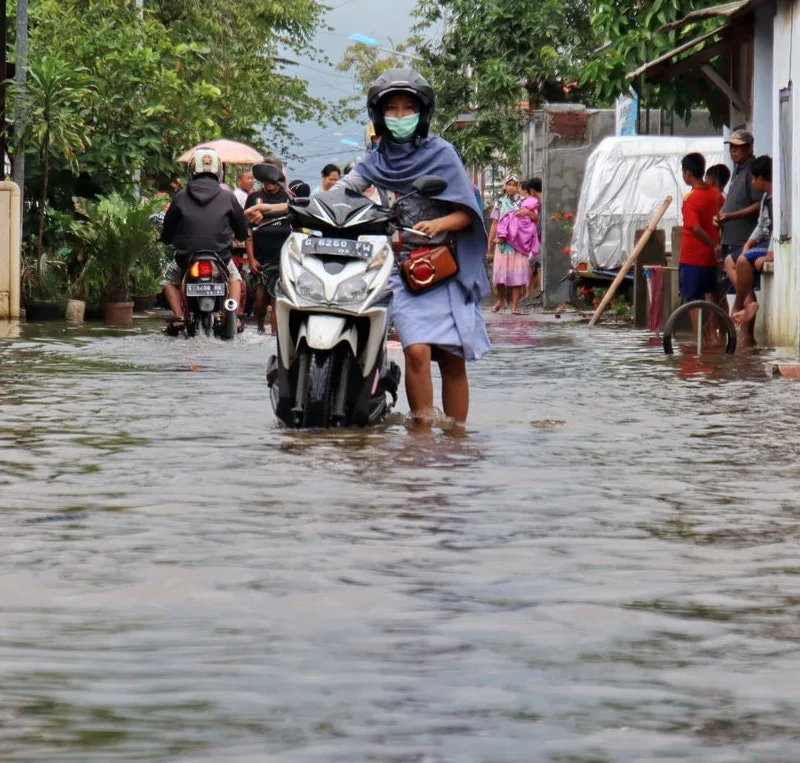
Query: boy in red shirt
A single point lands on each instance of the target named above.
(700, 248)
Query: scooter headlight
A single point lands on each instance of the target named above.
(309, 287)
(353, 290)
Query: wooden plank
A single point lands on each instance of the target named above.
(734, 97)
(631, 259)
(654, 253)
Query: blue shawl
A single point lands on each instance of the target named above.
(395, 166)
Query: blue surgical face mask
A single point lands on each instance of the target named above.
(402, 128)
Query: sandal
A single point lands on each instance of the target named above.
(497, 308)
(176, 327)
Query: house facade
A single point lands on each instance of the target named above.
(747, 66)
(779, 117)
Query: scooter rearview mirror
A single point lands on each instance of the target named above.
(267, 173)
(429, 185)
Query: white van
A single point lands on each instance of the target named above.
(626, 180)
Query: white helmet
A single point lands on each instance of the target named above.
(205, 161)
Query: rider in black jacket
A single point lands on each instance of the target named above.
(204, 217)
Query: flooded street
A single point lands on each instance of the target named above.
(605, 568)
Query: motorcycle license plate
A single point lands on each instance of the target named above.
(339, 247)
(213, 289)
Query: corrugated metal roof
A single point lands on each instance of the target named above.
(726, 10)
(723, 11)
(731, 12)
(675, 52)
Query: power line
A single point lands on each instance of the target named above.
(329, 72)
(351, 150)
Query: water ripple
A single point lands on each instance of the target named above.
(603, 569)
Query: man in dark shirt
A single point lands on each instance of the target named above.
(739, 214)
(204, 217)
(266, 209)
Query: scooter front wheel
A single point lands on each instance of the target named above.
(207, 323)
(319, 395)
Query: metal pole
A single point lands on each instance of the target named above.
(137, 173)
(3, 131)
(20, 79)
(700, 331)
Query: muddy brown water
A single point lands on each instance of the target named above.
(605, 568)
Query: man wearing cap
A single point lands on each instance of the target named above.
(739, 214)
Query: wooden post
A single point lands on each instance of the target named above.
(671, 296)
(653, 254)
(652, 225)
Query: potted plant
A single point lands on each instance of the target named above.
(43, 286)
(146, 286)
(118, 235)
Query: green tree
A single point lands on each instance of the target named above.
(632, 33)
(180, 73)
(55, 123)
(367, 63)
(499, 59)
(161, 79)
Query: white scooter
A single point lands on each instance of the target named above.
(333, 310)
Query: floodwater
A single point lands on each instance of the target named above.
(604, 568)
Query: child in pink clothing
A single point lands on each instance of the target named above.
(531, 209)
(519, 229)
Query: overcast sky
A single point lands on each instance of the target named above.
(380, 19)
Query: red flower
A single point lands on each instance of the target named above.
(566, 250)
(569, 215)
(557, 216)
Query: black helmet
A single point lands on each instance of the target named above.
(401, 81)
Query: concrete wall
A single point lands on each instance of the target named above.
(780, 297)
(556, 144)
(9, 250)
(571, 132)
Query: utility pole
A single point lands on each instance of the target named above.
(137, 173)
(20, 79)
(3, 56)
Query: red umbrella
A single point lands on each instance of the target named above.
(229, 151)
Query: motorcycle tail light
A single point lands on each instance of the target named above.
(582, 267)
(205, 268)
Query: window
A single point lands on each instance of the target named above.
(785, 141)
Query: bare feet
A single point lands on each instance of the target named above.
(746, 315)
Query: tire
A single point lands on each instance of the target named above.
(669, 326)
(191, 326)
(207, 323)
(577, 297)
(319, 395)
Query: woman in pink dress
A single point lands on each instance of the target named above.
(511, 269)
